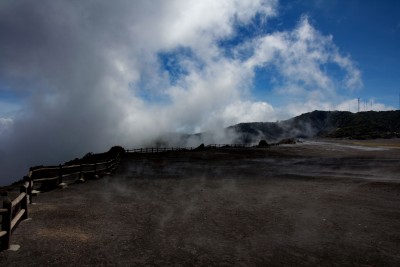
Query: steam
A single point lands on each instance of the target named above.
(84, 76)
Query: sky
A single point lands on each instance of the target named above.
(82, 76)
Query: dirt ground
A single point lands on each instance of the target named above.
(318, 203)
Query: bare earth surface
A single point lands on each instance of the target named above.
(319, 203)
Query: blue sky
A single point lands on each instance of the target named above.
(367, 30)
(79, 76)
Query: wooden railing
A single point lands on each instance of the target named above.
(12, 213)
(228, 146)
(168, 149)
(17, 210)
(53, 176)
(156, 149)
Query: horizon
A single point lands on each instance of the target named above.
(78, 76)
(195, 140)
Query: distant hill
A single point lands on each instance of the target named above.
(335, 124)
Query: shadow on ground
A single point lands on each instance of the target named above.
(301, 205)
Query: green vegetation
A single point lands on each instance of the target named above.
(368, 125)
(334, 124)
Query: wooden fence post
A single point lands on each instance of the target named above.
(6, 225)
(29, 180)
(31, 190)
(95, 168)
(24, 202)
(80, 170)
(60, 174)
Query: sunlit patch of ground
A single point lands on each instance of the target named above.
(389, 143)
(65, 234)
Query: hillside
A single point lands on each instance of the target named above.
(335, 124)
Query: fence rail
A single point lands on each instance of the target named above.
(12, 213)
(17, 210)
(170, 149)
(156, 149)
(56, 174)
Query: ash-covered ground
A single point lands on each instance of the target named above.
(317, 203)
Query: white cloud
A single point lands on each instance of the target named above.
(88, 68)
(246, 111)
(348, 105)
(301, 57)
(353, 77)
(5, 125)
(8, 108)
(297, 108)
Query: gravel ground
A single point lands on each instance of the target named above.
(325, 203)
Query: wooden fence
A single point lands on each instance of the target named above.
(17, 210)
(156, 149)
(168, 149)
(52, 176)
(12, 213)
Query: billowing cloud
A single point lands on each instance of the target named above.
(5, 124)
(301, 57)
(86, 71)
(92, 74)
(246, 111)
